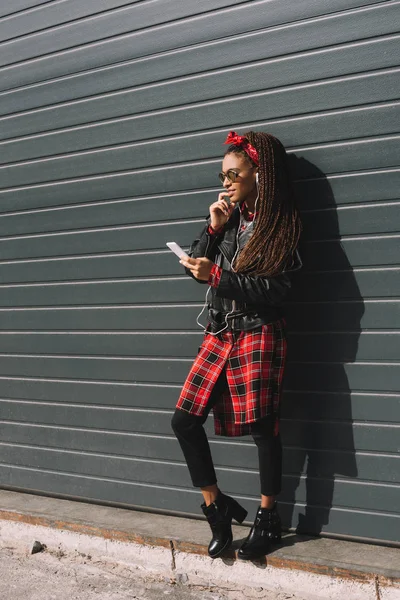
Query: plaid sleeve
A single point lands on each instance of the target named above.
(215, 276)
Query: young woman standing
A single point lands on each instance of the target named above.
(245, 254)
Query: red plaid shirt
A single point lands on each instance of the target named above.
(254, 362)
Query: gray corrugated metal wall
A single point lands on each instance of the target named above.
(113, 115)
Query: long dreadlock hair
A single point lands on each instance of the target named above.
(277, 227)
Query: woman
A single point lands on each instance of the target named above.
(245, 253)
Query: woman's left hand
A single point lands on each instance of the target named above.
(200, 267)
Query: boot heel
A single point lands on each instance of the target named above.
(238, 512)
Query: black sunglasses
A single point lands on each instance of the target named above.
(231, 174)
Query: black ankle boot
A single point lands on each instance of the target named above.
(219, 516)
(265, 531)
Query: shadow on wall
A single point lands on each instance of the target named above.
(317, 425)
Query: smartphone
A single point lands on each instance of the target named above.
(177, 249)
(227, 199)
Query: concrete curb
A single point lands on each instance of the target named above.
(176, 547)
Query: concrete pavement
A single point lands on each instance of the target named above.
(77, 576)
(176, 548)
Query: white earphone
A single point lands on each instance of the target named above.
(257, 178)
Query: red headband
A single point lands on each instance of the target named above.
(242, 142)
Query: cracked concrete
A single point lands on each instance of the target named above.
(152, 564)
(56, 575)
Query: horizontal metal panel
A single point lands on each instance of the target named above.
(379, 217)
(348, 188)
(121, 370)
(155, 472)
(152, 318)
(240, 454)
(127, 443)
(115, 394)
(327, 256)
(170, 179)
(19, 5)
(93, 417)
(320, 435)
(344, 406)
(320, 256)
(321, 347)
(348, 522)
(366, 376)
(365, 465)
(107, 240)
(332, 316)
(329, 158)
(363, 283)
(356, 251)
(103, 25)
(296, 405)
(183, 344)
(339, 28)
(344, 494)
(174, 178)
(128, 264)
(346, 124)
(341, 189)
(327, 316)
(213, 25)
(53, 14)
(180, 289)
(373, 218)
(233, 82)
(342, 436)
(314, 287)
(190, 205)
(313, 377)
(332, 158)
(261, 45)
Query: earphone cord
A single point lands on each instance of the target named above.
(203, 309)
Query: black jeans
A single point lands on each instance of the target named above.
(193, 440)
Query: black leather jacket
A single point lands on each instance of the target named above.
(250, 300)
